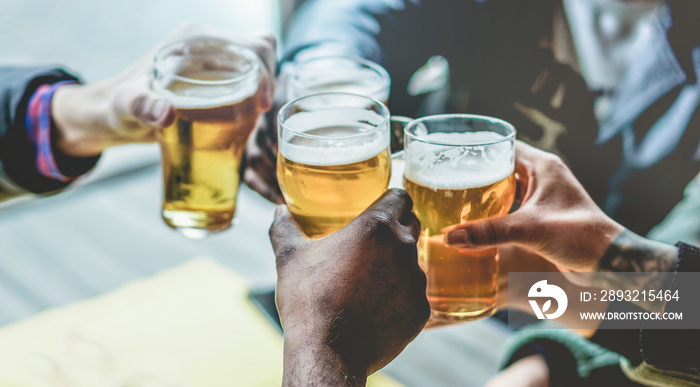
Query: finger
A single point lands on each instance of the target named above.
(393, 210)
(413, 225)
(266, 91)
(514, 228)
(531, 169)
(285, 234)
(144, 106)
(525, 153)
(269, 191)
(259, 159)
(394, 202)
(522, 179)
(265, 46)
(269, 143)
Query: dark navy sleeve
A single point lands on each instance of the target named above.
(17, 151)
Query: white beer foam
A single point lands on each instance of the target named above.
(192, 96)
(334, 149)
(459, 167)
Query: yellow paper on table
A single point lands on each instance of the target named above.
(190, 326)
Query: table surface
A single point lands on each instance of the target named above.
(192, 325)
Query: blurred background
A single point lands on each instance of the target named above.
(107, 231)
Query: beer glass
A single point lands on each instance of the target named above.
(213, 84)
(458, 168)
(333, 158)
(345, 74)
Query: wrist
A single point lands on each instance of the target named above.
(78, 112)
(610, 232)
(310, 361)
(630, 252)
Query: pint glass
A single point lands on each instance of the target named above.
(345, 74)
(333, 158)
(458, 168)
(212, 83)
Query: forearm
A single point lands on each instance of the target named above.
(631, 253)
(79, 112)
(308, 362)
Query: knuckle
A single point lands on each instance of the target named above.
(254, 158)
(284, 255)
(554, 163)
(379, 217)
(487, 234)
(274, 230)
(401, 195)
(137, 105)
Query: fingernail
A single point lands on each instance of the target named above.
(159, 109)
(278, 210)
(456, 237)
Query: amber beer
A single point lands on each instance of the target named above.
(452, 183)
(202, 149)
(333, 159)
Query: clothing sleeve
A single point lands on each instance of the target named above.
(350, 27)
(400, 35)
(22, 155)
(677, 348)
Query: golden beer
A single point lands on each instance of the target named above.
(202, 149)
(458, 168)
(324, 198)
(202, 154)
(461, 284)
(333, 159)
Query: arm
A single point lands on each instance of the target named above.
(632, 253)
(19, 166)
(313, 363)
(81, 121)
(342, 27)
(560, 222)
(349, 302)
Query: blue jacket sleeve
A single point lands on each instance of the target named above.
(400, 35)
(351, 27)
(17, 153)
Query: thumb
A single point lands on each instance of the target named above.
(143, 105)
(285, 234)
(487, 232)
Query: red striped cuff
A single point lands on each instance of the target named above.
(39, 129)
